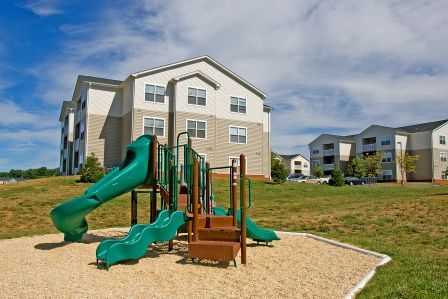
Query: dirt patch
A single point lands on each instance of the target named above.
(295, 267)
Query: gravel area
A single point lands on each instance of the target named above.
(295, 267)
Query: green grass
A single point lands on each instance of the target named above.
(408, 224)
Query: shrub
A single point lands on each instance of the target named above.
(91, 171)
(356, 168)
(318, 171)
(337, 178)
(279, 173)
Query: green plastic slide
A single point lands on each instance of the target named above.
(253, 231)
(69, 217)
(140, 237)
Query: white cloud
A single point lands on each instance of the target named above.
(12, 115)
(326, 65)
(44, 8)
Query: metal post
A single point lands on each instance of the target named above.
(207, 188)
(234, 185)
(153, 203)
(133, 207)
(195, 200)
(243, 208)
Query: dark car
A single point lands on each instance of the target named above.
(353, 181)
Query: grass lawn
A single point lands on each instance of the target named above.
(408, 224)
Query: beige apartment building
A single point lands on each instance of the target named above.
(428, 140)
(296, 163)
(224, 114)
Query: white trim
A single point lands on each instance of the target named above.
(154, 117)
(155, 86)
(444, 139)
(206, 93)
(196, 120)
(247, 134)
(238, 98)
(446, 159)
(388, 145)
(238, 164)
(203, 155)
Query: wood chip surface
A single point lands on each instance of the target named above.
(295, 267)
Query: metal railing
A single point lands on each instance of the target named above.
(329, 152)
(369, 147)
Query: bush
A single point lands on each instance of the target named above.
(356, 168)
(279, 173)
(91, 171)
(337, 178)
(318, 171)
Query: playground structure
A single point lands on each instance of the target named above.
(186, 204)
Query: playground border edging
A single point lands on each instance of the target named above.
(363, 282)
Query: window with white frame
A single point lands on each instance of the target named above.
(385, 141)
(442, 139)
(196, 128)
(387, 157)
(237, 163)
(305, 165)
(444, 175)
(443, 157)
(238, 135)
(237, 104)
(197, 96)
(316, 163)
(154, 93)
(386, 174)
(315, 151)
(154, 126)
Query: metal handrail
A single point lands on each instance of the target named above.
(250, 193)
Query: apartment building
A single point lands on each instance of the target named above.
(224, 114)
(428, 140)
(296, 163)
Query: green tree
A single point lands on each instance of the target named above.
(337, 177)
(279, 173)
(91, 171)
(318, 171)
(406, 164)
(356, 168)
(372, 164)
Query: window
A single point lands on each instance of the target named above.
(386, 174)
(84, 105)
(237, 163)
(387, 158)
(305, 165)
(442, 139)
(76, 159)
(82, 136)
(196, 128)
(297, 162)
(315, 151)
(65, 142)
(78, 105)
(316, 163)
(154, 126)
(197, 96)
(237, 104)
(444, 175)
(77, 130)
(443, 157)
(81, 159)
(238, 135)
(154, 93)
(385, 141)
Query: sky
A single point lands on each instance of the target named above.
(327, 66)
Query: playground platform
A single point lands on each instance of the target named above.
(296, 267)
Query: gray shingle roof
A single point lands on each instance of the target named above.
(422, 127)
(99, 80)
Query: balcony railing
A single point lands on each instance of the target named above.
(369, 147)
(329, 152)
(65, 153)
(297, 167)
(76, 144)
(328, 166)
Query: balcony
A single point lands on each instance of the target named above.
(369, 147)
(297, 167)
(328, 166)
(329, 152)
(64, 153)
(76, 144)
(78, 116)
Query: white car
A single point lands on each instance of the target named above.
(295, 177)
(325, 179)
(310, 179)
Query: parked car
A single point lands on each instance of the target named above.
(325, 179)
(310, 179)
(295, 176)
(353, 181)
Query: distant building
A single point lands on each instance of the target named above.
(296, 163)
(428, 140)
(5, 181)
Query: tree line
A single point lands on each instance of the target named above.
(32, 173)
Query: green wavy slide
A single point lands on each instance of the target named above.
(69, 217)
(253, 231)
(140, 237)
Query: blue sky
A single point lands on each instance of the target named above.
(328, 66)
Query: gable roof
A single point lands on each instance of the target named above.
(65, 105)
(346, 138)
(395, 130)
(289, 157)
(198, 73)
(209, 60)
(429, 126)
(94, 80)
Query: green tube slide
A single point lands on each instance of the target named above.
(69, 217)
(253, 231)
(140, 237)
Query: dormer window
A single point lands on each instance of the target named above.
(154, 93)
(197, 96)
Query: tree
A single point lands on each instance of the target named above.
(279, 173)
(337, 177)
(406, 164)
(372, 164)
(91, 171)
(318, 171)
(356, 168)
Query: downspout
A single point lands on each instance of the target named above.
(132, 109)
(432, 159)
(172, 111)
